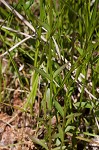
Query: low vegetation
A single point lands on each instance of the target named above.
(49, 74)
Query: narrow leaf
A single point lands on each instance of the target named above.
(58, 70)
(59, 108)
(41, 72)
(61, 134)
(39, 142)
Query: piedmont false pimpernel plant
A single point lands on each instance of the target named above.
(49, 74)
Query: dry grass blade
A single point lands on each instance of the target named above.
(21, 18)
(57, 48)
(18, 32)
(68, 66)
(12, 48)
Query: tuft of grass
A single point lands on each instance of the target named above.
(57, 42)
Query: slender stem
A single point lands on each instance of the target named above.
(50, 67)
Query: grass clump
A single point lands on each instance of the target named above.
(51, 50)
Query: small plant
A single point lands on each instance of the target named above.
(52, 51)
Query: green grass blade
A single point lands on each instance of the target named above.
(58, 71)
(59, 108)
(43, 73)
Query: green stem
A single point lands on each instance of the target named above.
(50, 68)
